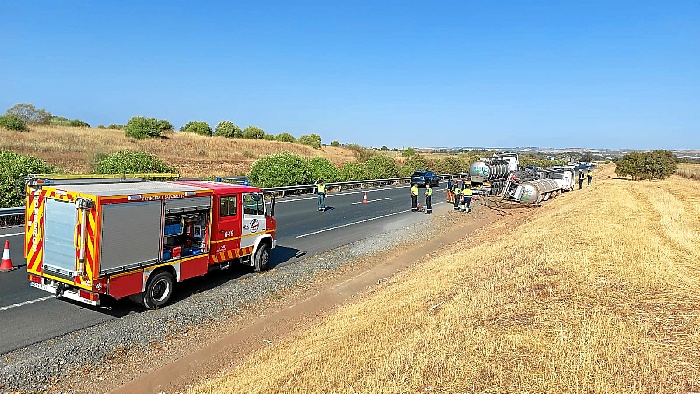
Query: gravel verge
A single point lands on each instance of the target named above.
(43, 367)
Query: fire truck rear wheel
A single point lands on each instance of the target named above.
(158, 290)
(262, 257)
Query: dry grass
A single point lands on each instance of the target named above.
(74, 150)
(597, 291)
(688, 170)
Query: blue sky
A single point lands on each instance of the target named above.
(592, 74)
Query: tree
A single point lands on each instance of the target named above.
(353, 172)
(269, 137)
(253, 133)
(13, 168)
(128, 162)
(285, 137)
(282, 169)
(408, 152)
(30, 114)
(415, 162)
(451, 165)
(381, 167)
(313, 140)
(658, 164)
(227, 129)
(140, 127)
(322, 168)
(201, 128)
(335, 143)
(13, 123)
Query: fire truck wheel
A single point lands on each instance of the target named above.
(158, 290)
(262, 257)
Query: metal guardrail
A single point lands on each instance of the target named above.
(11, 217)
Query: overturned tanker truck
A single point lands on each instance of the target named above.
(501, 175)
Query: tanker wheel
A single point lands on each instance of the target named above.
(262, 257)
(158, 290)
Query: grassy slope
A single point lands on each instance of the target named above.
(596, 291)
(74, 149)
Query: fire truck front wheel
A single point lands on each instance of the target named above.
(262, 257)
(158, 290)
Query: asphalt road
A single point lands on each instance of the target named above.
(29, 315)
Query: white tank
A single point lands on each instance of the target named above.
(534, 192)
(487, 170)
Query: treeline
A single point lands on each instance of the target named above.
(658, 164)
(20, 116)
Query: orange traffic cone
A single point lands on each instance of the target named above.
(364, 199)
(6, 260)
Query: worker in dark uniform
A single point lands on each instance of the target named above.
(580, 179)
(428, 199)
(414, 197)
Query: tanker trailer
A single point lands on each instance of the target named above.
(534, 192)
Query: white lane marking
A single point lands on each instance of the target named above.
(10, 235)
(358, 222)
(4, 308)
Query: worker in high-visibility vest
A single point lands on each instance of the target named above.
(458, 196)
(467, 198)
(589, 175)
(428, 199)
(414, 197)
(321, 191)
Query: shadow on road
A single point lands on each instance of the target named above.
(280, 256)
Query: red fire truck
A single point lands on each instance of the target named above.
(88, 238)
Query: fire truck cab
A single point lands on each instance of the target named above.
(88, 238)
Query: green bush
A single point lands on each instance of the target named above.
(322, 168)
(658, 164)
(362, 154)
(269, 137)
(128, 162)
(281, 169)
(140, 127)
(101, 126)
(116, 126)
(285, 137)
(13, 123)
(61, 121)
(335, 143)
(353, 172)
(13, 169)
(381, 167)
(201, 128)
(312, 140)
(415, 162)
(408, 152)
(253, 133)
(227, 129)
(451, 165)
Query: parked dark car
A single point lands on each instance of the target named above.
(425, 177)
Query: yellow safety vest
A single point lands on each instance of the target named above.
(414, 190)
(467, 192)
(457, 191)
(321, 187)
(428, 191)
